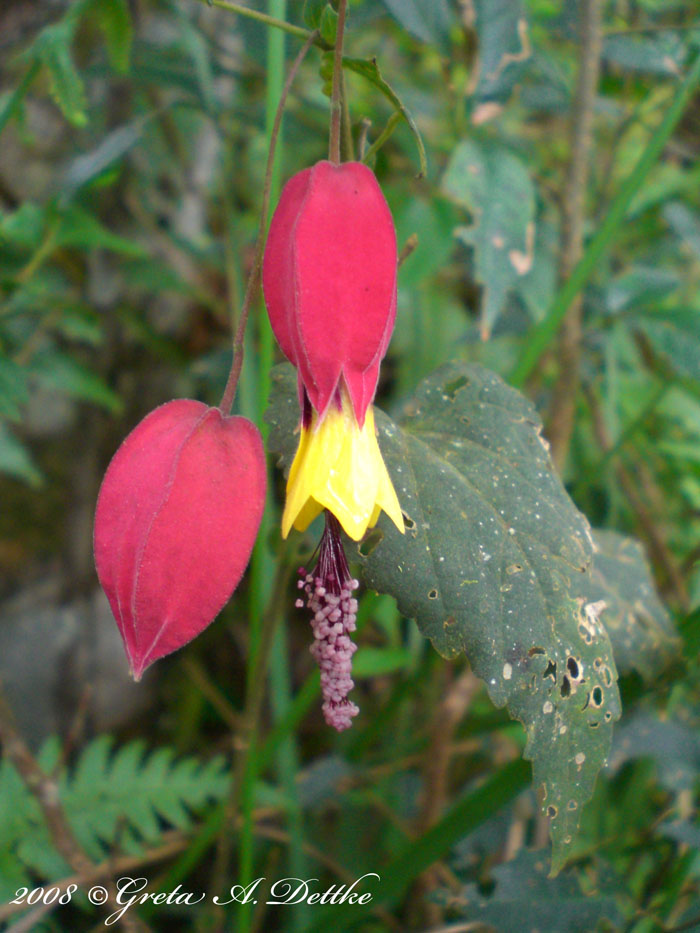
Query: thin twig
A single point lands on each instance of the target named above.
(254, 277)
(337, 92)
(566, 390)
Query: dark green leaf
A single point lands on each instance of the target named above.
(675, 335)
(198, 50)
(11, 101)
(639, 626)
(673, 745)
(313, 10)
(15, 459)
(114, 20)
(523, 890)
(504, 47)
(81, 229)
(493, 563)
(685, 223)
(640, 286)
(662, 54)
(13, 387)
(494, 185)
(328, 25)
(53, 49)
(24, 227)
(429, 20)
(58, 371)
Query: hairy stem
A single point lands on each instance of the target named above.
(254, 277)
(337, 93)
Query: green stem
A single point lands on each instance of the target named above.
(541, 336)
(385, 134)
(268, 20)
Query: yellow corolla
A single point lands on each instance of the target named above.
(338, 466)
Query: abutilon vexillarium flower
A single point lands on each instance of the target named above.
(177, 516)
(329, 278)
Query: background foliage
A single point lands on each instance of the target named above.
(133, 137)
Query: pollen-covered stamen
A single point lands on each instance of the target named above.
(329, 596)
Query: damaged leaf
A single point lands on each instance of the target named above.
(494, 563)
(495, 187)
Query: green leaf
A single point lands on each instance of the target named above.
(660, 54)
(196, 47)
(429, 20)
(53, 48)
(58, 371)
(675, 335)
(504, 47)
(114, 19)
(328, 24)
(369, 70)
(639, 287)
(494, 185)
(640, 628)
(685, 223)
(24, 227)
(13, 388)
(80, 229)
(15, 459)
(313, 10)
(672, 743)
(373, 662)
(11, 101)
(523, 890)
(493, 563)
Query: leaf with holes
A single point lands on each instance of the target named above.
(504, 48)
(494, 563)
(495, 187)
(639, 626)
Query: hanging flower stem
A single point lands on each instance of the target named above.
(337, 92)
(254, 277)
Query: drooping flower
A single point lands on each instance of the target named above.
(329, 277)
(177, 516)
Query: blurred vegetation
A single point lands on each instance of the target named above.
(133, 138)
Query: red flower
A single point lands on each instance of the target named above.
(329, 277)
(177, 516)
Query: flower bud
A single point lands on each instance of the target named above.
(177, 516)
(329, 277)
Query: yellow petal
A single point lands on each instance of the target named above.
(338, 466)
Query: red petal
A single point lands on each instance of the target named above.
(330, 280)
(278, 271)
(176, 520)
